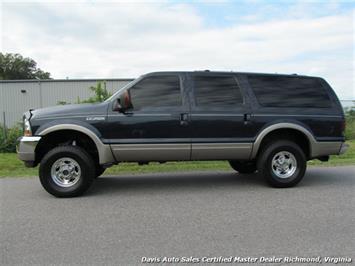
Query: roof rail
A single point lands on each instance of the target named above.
(206, 70)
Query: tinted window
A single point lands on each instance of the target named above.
(277, 91)
(217, 91)
(158, 91)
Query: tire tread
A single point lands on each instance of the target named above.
(86, 164)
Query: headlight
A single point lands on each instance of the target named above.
(27, 128)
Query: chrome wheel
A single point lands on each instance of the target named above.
(284, 164)
(65, 172)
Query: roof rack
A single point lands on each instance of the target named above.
(206, 70)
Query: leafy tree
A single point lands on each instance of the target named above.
(15, 66)
(350, 122)
(8, 138)
(100, 94)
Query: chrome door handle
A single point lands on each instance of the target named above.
(184, 119)
(247, 118)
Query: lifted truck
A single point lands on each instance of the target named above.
(267, 123)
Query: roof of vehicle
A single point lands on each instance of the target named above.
(156, 73)
(227, 72)
(64, 80)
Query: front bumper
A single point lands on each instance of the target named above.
(26, 147)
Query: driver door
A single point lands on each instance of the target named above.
(156, 128)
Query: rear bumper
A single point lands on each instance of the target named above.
(343, 148)
(328, 148)
(26, 147)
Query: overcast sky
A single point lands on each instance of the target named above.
(92, 39)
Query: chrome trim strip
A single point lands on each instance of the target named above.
(105, 153)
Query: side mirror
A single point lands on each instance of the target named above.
(123, 103)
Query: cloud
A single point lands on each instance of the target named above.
(85, 40)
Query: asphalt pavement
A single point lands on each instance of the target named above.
(206, 214)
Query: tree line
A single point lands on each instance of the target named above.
(15, 66)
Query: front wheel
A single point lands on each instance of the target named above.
(66, 171)
(282, 163)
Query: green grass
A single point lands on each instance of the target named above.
(10, 166)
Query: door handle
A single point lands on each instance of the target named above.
(184, 119)
(247, 118)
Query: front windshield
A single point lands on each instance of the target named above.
(120, 90)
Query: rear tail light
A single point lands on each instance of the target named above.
(343, 126)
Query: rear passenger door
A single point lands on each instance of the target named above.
(220, 118)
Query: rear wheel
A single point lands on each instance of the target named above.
(66, 171)
(282, 163)
(246, 167)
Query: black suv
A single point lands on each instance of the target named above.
(267, 123)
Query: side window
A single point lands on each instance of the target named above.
(279, 91)
(156, 91)
(217, 91)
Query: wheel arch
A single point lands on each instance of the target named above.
(103, 150)
(280, 128)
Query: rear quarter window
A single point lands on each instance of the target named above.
(278, 91)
